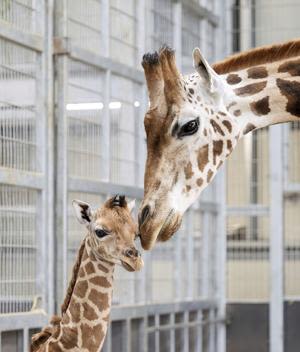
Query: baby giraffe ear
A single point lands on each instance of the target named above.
(83, 211)
(205, 71)
(131, 205)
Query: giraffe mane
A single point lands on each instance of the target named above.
(258, 56)
(54, 327)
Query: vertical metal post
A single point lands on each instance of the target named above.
(61, 216)
(50, 159)
(276, 240)
(106, 94)
(190, 254)
(220, 261)
(177, 29)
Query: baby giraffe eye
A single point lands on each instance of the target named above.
(101, 233)
(189, 128)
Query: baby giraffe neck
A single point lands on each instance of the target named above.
(265, 95)
(84, 324)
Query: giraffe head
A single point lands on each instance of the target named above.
(189, 135)
(112, 231)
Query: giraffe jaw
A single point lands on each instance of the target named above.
(134, 265)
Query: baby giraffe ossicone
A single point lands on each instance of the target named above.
(86, 308)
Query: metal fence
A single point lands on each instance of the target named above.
(263, 229)
(71, 120)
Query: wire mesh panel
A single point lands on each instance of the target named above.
(159, 23)
(291, 213)
(84, 24)
(124, 111)
(21, 14)
(123, 31)
(247, 222)
(18, 248)
(18, 116)
(85, 116)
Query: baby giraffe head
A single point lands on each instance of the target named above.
(111, 231)
(189, 135)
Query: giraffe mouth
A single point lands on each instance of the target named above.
(127, 267)
(135, 265)
(166, 223)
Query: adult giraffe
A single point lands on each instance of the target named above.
(194, 123)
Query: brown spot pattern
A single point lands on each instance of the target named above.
(250, 127)
(233, 78)
(229, 144)
(81, 288)
(199, 182)
(291, 90)
(100, 281)
(202, 157)
(257, 72)
(251, 89)
(89, 268)
(217, 149)
(95, 335)
(260, 107)
(89, 312)
(292, 67)
(99, 298)
(216, 127)
(188, 170)
(209, 176)
(237, 113)
(69, 337)
(228, 125)
(102, 268)
(188, 188)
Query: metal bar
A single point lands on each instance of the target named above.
(25, 339)
(177, 27)
(17, 321)
(63, 46)
(61, 63)
(276, 240)
(32, 41)
(220, 261)
(50, 155)
(249, 210)
(99, 187)
(139, 311)
(201, 11)
(22, 178)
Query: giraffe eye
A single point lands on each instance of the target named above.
(101, 233)
(189, 128)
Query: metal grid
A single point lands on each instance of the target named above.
(85, 113)
(247, 221)
(18, 248)
(100, 100)
(160, 23)
(124, 112)
(291, 211)
(84, 24)
(18, 117)
(123, 29)
(21, 14)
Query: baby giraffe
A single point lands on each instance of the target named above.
(85, 311)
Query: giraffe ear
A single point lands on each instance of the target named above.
(131, 205)
(206, 72)
(83, 211)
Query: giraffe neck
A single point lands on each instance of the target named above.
(84, 324)
(265, 95)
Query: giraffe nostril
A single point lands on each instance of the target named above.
(144, 215)
(132, 253)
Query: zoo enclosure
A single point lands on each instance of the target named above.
(71, 115)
